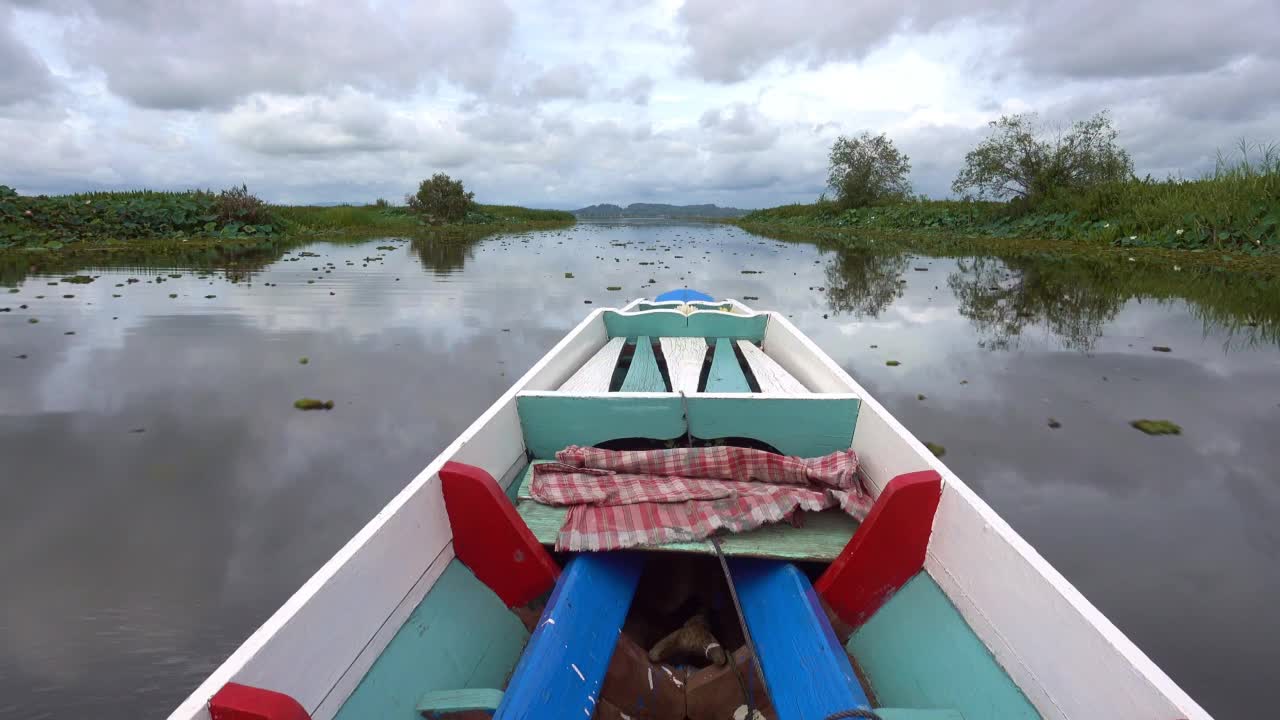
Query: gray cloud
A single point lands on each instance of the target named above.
(729, 42)
(1243, 91)
(350, 123)
(738, 128)
(637, 90)
(563, 81)
(1100, 39)
(329, 103)
(23, 76)
(189, 56)
(1065, 38)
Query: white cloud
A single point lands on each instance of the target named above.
(546, 104)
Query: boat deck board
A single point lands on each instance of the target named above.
(684, 357)
(822, 538)
(726, 374)
(596, 373)
(770, 376)
(644, 375)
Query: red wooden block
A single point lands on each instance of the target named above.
(886, 551)
(243, 702)
(490, 537)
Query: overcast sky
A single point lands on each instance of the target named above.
(562, 104)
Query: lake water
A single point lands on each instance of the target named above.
(161, 496)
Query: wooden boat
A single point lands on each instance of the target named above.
(439, 606)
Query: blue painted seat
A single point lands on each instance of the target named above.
(563, 665)
(805, 668)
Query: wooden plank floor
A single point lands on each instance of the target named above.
(821, 539)
(643, 375)
(726, 374)
(595, 375)
(770, 376)
(684, 361)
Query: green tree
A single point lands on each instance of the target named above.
(441, 198)
(1023, 159)
(867, 170)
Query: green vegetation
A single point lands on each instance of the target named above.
(347, 218)
(1022, 159)
(50, 223)
(313, 404)
(203, 227)
(867, 170)
(1157, 427)
(936, 449)
(1031, 189)
(441, 199)
(379, 219)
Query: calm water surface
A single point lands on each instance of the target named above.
(160, 497)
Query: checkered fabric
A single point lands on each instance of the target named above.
(625, 498)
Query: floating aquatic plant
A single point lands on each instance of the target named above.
(1157, 427)
(313, 404)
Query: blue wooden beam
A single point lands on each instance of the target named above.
(563, 666)
(806, 670)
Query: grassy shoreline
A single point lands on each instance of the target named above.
(969, 240)
(66, 233)
(1230, 218)
(43, 223)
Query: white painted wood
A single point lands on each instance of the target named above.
(631, 304)
(347, 683)
(306, 648)
(738, 310)
(769, 375)
(797, 354)
(1069, 660)
(741, 307)
(678, 305)
(1067, 657)
(350, 679)
(595, 375)
(684, 356)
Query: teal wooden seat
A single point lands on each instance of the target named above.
(563, 665)
(726, 374)
(643, 375)
(805, 667)
(442, 704)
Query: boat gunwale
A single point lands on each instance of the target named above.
(970, 542)
(943, 564)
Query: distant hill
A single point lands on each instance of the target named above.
(657, 210)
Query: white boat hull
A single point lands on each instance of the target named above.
(1065, 656)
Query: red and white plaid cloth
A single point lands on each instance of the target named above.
(624, 498)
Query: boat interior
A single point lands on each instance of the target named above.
(658, 632)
